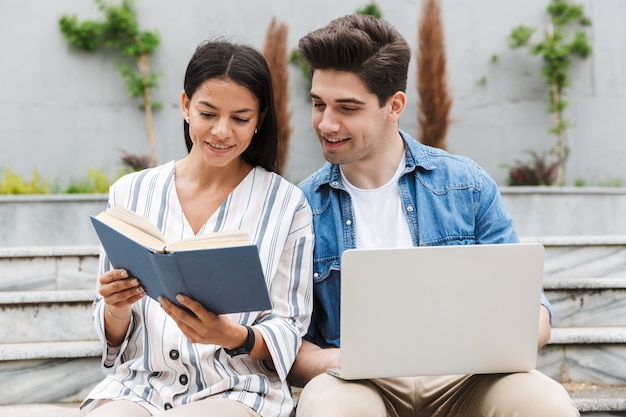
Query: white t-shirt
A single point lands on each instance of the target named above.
(380, 221)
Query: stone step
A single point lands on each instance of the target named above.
(46, 316)
(587, 302)
(578, 355)
(48, 268)
(582, 256)
(591, 401)
(48, 372)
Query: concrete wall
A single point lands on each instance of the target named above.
(63, 219)
(64, 111)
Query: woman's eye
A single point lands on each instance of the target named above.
(206, 115)
(241, 120)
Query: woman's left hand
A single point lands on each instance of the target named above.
(202, 326)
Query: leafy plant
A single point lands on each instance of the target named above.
(131, 163)
(13, 183)
(371, 9)
(120, 29)
(557, 48)
(536, 172)
(96, 182)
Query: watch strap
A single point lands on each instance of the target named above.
(247, 346)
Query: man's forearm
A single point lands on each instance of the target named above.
(310, 362)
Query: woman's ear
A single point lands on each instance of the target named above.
(261, 118)
(184, 105)
(397, 103)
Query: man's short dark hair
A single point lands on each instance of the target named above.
(371, 48)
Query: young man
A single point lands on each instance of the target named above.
(381, 188)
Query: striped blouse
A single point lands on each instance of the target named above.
(156, 365)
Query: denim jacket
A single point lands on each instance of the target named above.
(447, 200)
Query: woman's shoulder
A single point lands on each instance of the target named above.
(135, 179)
(279, 183)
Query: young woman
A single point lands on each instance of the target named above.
(159, 358)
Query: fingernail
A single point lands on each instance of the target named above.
(180, 297)
(161, 300)
(141, 289)
(135, 282)
(124, 274)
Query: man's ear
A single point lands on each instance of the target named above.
(397, 103)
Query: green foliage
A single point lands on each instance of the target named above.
(557, 48)
(296, 59)
(13, 183)
(538, 171)
(371, 9)
(96, 182)
(119, 29)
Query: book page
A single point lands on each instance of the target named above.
(131, 232)
(131, 218)
(211, 240)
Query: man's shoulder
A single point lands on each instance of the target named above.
(311, 183)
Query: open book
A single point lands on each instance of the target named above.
(221, 270)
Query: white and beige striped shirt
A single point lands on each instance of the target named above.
(157, 366)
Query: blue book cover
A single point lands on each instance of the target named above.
(223, 279)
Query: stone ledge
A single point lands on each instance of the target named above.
(38, 410)
(45, 297)
(595, 397)
(586, 335)
(593, 283)
(50, 350)
(48, 251)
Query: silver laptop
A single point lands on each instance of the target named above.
(440, 310)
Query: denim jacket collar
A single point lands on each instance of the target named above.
(415, 156)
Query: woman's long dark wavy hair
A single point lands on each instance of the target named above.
(245, 66)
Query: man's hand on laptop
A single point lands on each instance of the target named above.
(311, 361)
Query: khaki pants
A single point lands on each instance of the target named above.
(213, 407)
(529, 394)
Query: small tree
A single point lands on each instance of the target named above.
(275, 52)
(120, 29)
(432, 84)
(557, 51)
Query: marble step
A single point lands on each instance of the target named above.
(585, 355)
(591, 401)
(48, 268)
(50, 372)
(46, 316)
(583, 256)
(585, 302)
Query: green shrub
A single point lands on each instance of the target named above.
(13, 183)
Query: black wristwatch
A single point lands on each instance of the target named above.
(247, 346)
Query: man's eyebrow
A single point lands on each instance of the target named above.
(340, 100)
(206, 103)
